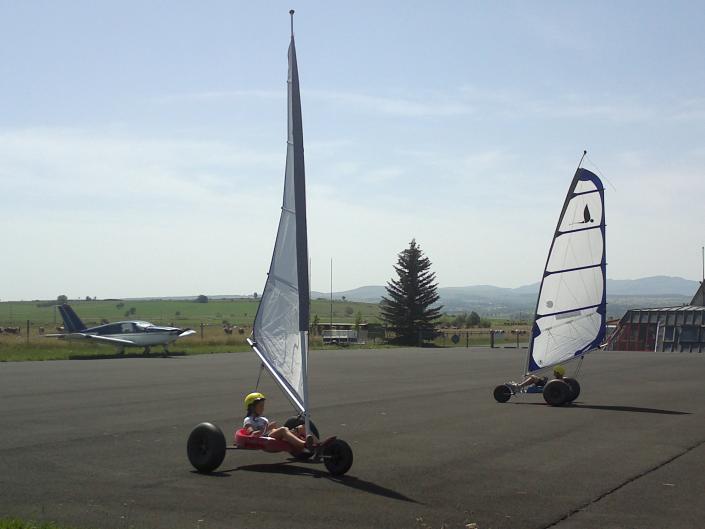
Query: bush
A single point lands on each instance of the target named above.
(474, 319)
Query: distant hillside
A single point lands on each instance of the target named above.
(489, 300)
(653, 286)
(622, 294)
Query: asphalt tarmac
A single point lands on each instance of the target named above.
(101, 444)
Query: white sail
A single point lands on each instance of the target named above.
(280, 332)
(571, 307)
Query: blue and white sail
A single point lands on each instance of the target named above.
(571, 308)
(280, 332)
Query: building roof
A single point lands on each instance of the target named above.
(699, 298)
(680, 308)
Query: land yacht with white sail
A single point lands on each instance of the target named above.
(570, 315)
(280, 332)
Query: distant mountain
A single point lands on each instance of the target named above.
(622, 294)
(488, 300)
(368, 294)
(653, 286)
(646, 286)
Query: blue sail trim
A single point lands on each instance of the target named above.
(586, 192)
(547, 273)
(559, 233)
(577, 309)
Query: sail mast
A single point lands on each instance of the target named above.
(297, 137)
(280, 330)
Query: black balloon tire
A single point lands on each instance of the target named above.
(293, 422)
(574, 388)
(337, 457)
(206, 447)
(502, 393)
(556, 392)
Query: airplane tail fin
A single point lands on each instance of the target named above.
(72, 323)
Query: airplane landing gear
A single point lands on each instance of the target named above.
(146, 350)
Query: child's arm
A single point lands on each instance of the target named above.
(254, 432)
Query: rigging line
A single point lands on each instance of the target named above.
(580, 364)
(259, 376)
(600, 172)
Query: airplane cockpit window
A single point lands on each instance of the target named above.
(109, 329)
(127, 328)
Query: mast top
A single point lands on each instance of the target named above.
(291, 12)
(582, 158)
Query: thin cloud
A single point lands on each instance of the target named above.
(375, 104)
(220, 95)
(73, 163)
(395, 106)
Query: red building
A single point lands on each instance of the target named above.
(670, 329)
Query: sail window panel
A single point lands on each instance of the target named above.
(571, 291)
(582, 211)
(562, 339)
(575, 250)
(278, 336)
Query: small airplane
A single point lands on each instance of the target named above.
(121, 334)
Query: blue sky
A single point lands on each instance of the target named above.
(142, 144)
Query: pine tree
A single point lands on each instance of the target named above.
(408, 306)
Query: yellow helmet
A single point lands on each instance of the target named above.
(559, 370)
(252, 398)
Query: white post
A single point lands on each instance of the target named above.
(303, 336)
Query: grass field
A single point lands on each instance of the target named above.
(16, 523)
(180, 313)
(207, 319)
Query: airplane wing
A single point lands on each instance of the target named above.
(80, 335)
(107, 339)
(187, 333)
